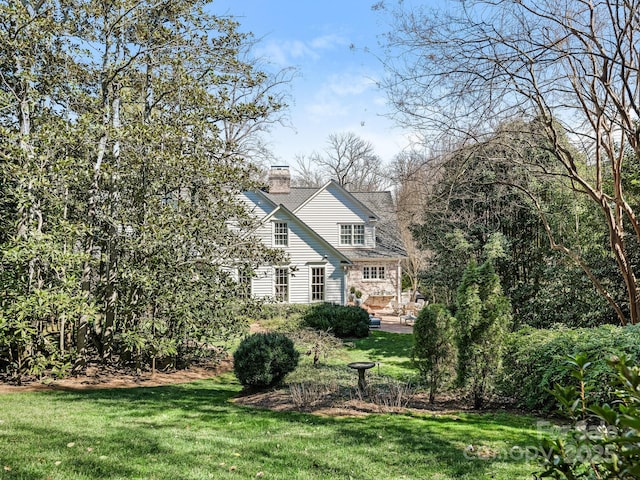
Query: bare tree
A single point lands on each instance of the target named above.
(255, 105)
(352, 162)
(413, 174)
(307, 175)
(573, 65)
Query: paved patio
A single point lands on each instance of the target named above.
(391, 323)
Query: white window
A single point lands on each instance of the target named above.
(281, 289)
(373, 273)
(352, 234)
(317, 284)
(280, 234)
(244, 284)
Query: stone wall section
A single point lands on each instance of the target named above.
(388, 286)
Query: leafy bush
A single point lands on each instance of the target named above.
(602, 441)
(535, 360)
(263, 359)
(434, 349)
(282, 317)
(343, 322)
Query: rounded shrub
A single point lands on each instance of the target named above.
(342, 321)
(263, 359)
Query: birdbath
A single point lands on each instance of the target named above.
(362, 367)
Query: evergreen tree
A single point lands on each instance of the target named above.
(483, 317)
(434, 348)
(121, 225)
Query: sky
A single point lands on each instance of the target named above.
(333, 45)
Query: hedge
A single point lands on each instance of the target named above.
(535, 360)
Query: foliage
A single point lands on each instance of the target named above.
(541, 71)
(478, 194)
(602, 441)
(434, 347)
(342, 321)
(483, 316)
(121, 227)
(534, 361)
(263, 359)
(315, 343)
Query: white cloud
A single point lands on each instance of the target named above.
(323, 109)
(287, 52)
(327, 42)
(340, 96)
(349, 84)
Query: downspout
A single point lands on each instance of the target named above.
(399, 283)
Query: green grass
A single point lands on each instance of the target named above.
(193, 431)
(391, 350)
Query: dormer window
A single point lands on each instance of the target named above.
(280, 234)
(352, 234)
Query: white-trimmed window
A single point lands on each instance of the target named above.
(244, 284)
(373, 273)
(352, 234)
(317, 284)
(280, 234)
(281, 284)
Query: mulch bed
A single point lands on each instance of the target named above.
(95, 378)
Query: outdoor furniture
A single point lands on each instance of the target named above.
(409, 313)
(374, 322)
(378, 302)
(409, 317)
(362, 367)
(396, 308)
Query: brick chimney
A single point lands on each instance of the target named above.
(279, 179)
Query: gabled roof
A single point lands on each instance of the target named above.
(333, 183)
(377, 205)
(311, 231)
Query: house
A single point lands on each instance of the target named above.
(336, 242)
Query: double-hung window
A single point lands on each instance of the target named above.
(281, 285)
(280, 234)
(244, 284)
(373, 273)
(352, 234)
(317, 284)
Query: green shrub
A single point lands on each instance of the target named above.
(342, 321)
(483, 316)
(434, 350)
(535, 360)
(263, 359)
(602, 440)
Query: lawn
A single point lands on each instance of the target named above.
(194, 431)
(391, 350)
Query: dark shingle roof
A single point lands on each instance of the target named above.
(294, 199)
